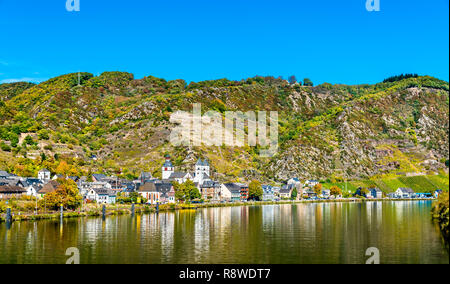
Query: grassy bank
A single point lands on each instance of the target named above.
(423, 184)
(95, 210)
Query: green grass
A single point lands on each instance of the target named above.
(417, 183)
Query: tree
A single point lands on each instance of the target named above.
(292, 80)
(186, 191)
(294, 193)
(335, 191)
(307, 82)
(255, 191)
(318, 189)
(66, 194)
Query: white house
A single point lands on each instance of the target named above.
(403, 192)
(101, 196)
(311, 183)
(268, 193)
(230, 192)
(44, 175)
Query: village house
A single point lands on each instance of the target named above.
(98, 177)
(268, 193)
(231, 192)
(47, 188)
(11, 191)
(84, 187)
(375, 192)
(286, 191)
(404, 192)
(44, 175)
(157, 192)
(4, 175)
(102, 195)
(210, 190)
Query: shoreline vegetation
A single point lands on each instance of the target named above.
(96, 210)
(441, 214)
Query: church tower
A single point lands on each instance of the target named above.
(167, 168)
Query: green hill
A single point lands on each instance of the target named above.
(377, 131)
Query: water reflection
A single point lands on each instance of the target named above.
(302, 233)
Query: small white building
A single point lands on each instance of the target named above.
(404, 192)
(44, 175)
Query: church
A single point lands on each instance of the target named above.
(200, 176)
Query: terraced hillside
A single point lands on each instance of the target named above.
(381, 131)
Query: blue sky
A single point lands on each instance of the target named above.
(326, 40)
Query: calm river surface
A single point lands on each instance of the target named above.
(303, 233)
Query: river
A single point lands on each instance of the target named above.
(402, 231)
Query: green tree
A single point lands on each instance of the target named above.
(186, 191)
(255, 191)
(307, 82)
(294, 193)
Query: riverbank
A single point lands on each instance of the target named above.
(96, 210)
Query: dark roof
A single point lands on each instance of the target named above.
(209, 183)
(286, 189)
(4, 174)
(177, 175)
(168, 164)
(12, 189)
(104, 191)
(147, 187)
(99, 176)
(233, 187)
(376, 189)
(49, 187)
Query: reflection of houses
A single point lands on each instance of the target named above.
(157, 192)
(234, 192)
(404, 192)
(376, 193)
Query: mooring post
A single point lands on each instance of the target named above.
(104, 212)
(132, 209)
(157, 207)
(8, 215)
(61, 212)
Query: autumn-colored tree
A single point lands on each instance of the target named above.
(335, 191)
(66, 194)
(255, 191)
(318, 189)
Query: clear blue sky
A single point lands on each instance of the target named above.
(334, 41)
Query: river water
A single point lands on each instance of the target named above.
(402, 231)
